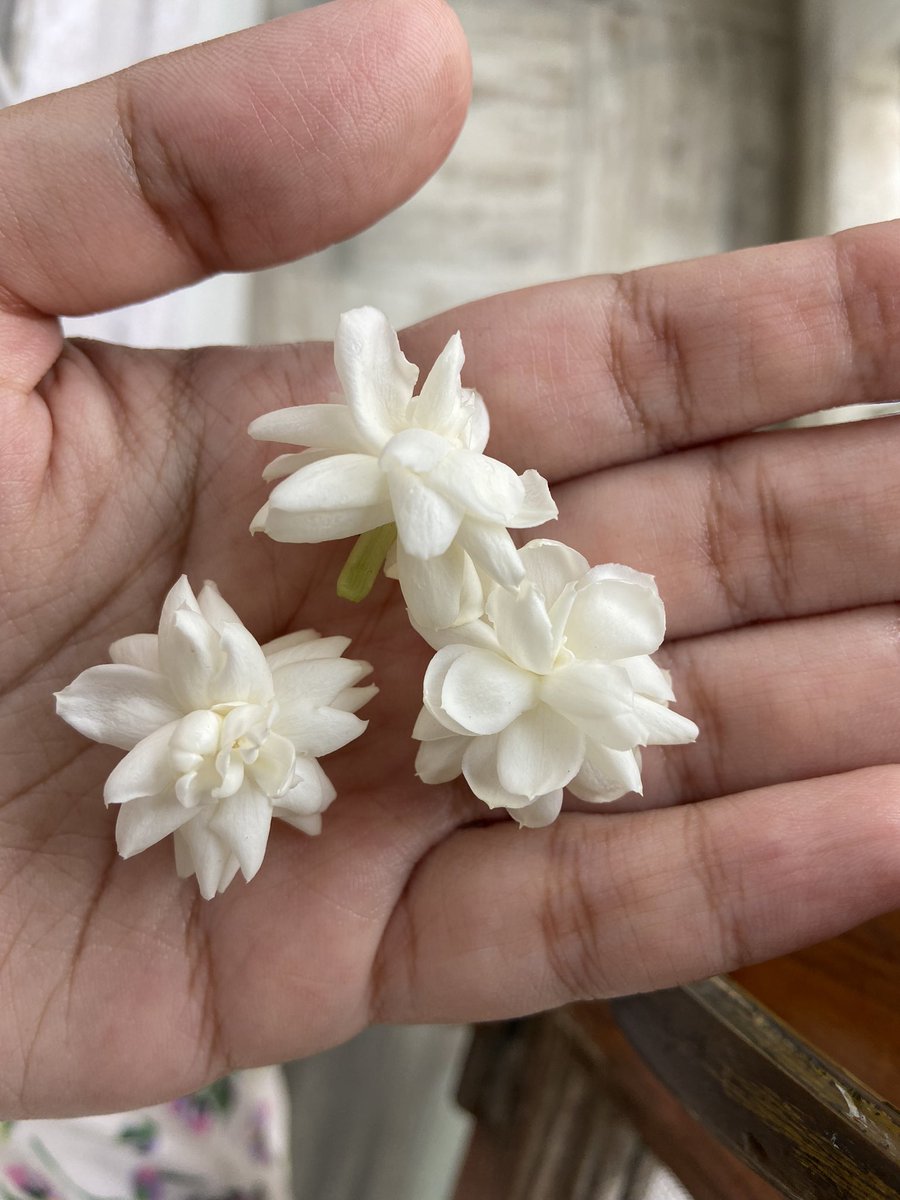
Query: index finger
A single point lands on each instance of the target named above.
(614, 369)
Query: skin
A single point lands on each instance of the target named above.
(778, 556)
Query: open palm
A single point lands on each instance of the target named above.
(776, 554)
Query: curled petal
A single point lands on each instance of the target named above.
(217, 612)
(647, 678)
(322, 426)
(493, 550)
(180, 595)
(245, 673)
(377, 378)
(287, 464)
(440, 591)
(662, 727)
(479, 766)
(477, 425)
(617, 613)
(416, 450)
(541, 812)
(539, 753)
(117, 704)
(483, 693)
(335, 497)
(480, 486)
(312, 791)
(273, 770)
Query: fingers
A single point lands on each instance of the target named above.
(777, 525)
(607, 370)
(495, 924)
(237, 154)
(781, 702)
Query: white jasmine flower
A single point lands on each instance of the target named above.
(554, 688)
(386, 455)
(222, 734)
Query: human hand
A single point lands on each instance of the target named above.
(121, 469)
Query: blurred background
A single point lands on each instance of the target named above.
(603, 135)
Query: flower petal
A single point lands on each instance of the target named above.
(215, 609)
(427, 727)
(607, 774)
(312, 792)
(209, 857)
(319, 731)
(433, 684)
(377, 379)
(537, 506)
(335, 497)
(440, 591)
(483, 692)
(662, 726)
(477, 427)
(440, 761)
(242, 822)
(147, 821)
(599, 699)
(416, 450)
(523, 628)
(287, 464)
(273, 770)
(479, 766)
(426, 522)
(320, 426)
(647, 678)
(541, 812)
(146, 770)
(191, 656)
(538, 753)
(117, 704)
(617, 613)
(290, 640)
(352, 699)
(493, 550)
(311, 825)
(180, 595)
(245, 674)
(481, 486)
(138, 650)
(313, 682)
(438, 405)
(551, 565)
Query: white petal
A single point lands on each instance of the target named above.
(541, 813)
(607, 774)
(242, 822)
(537, 504)
(311, 825)
(352, 699)
(647, 678)
(290, 640)
(312, 792)
(180, 595)
(479, 485)
(551, 565)
(310, 649)
(433, 684)
(316, 681)
(440, 591)
(483, 692)
(438, 404)
(231, 868)
(662, 727)
(599, 699)
(145, 770)
(523, 627)
(426, 522)
(319, 731)
(245, 673)
(377, 379)
(321, 426)
(493, 550)
(538, 753)
(335, 497)
(117, 704)
(287, 464)
(617, 613)
(191, 656)
(480, 769)
(215, 609)
(273, 769)
(427, 727)
(440, 761)
(147, 821)
(477, 428)
(138, 650)
(416, 450)
(207, 853)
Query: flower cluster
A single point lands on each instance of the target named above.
(222, 734)
(542, 677)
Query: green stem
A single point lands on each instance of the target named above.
(364, 561)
